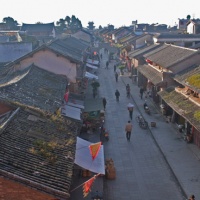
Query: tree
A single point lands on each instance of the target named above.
(61, 23)
(188, 17)
(100, 27)
(73, 23)
(11, 23)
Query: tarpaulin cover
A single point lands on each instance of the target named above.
(83, 157)
(71, 112)
(90, 75)
(93, 62)
(91, 66)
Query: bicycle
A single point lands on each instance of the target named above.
(142, 122)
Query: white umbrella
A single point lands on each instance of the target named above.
(130, 105)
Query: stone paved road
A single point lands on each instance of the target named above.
(142, 172)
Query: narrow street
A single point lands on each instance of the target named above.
(142, 172)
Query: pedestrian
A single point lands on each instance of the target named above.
(141, 92)
(116, 76)
(101, 56)
(104, 103)
(94, 92)
(128, 89)
(130, 108)
(115, 68)
(192, 197)
(117, 94)
(107, 63)
(128, 129)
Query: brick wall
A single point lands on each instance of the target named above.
(10, 190)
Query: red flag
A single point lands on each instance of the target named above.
(66, 96)
(87, 186)
(94, 149)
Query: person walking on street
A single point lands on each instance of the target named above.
(128, 129)
(117, 94)
(101, 56)
(192, 197)
(94, 92)
(141, 92)
(116, 76)
(104, 103)
(115, 68)
(130, 108)
(128, 90)
(107, 63)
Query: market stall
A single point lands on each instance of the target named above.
(93, 114)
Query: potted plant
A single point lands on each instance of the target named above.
(121, 67)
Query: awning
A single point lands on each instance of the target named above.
(84, 159)
(150, 73)
(93, 62)
(91, 66)
(93, 105)
(90, 75)
(71, 112)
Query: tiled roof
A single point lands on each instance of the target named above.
(182, 105)
(37, 27)
(126, 38)
(177, 36)
(163, 46)
(182, 77)
(152, 74)
(170, 55)
(142, 51)
(70, 47)
(34, 87)
(39, 151)
(133, 39)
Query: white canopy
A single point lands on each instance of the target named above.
(90, 75)
(83, 157)
(71, 112)
(91, 66)
(130, 105)
(94, 62)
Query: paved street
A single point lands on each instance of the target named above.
(157, 163)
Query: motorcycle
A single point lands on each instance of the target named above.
(146, 109)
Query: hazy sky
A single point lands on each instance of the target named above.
(101, 12)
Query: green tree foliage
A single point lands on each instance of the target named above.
(11, 23)
(61, 24)
(71, 23)
(188, 17)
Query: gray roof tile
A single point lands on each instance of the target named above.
(34, 87)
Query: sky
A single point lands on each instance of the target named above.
(101, 12)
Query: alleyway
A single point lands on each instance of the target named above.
(152, 165)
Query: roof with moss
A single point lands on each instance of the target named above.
(39, 151)
(190, 78)
(182, 105)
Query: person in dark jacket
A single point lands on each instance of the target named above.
(117, 94)
(104, 103)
